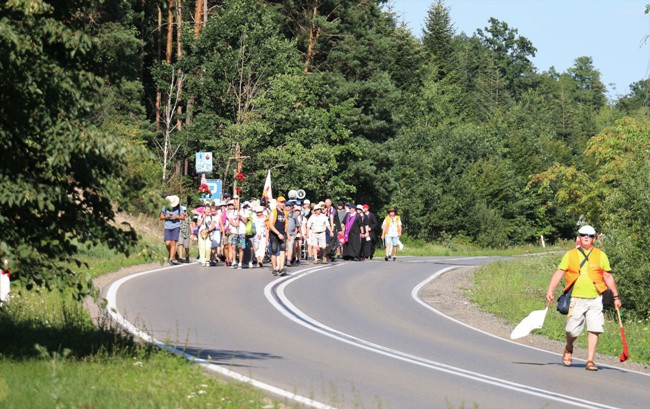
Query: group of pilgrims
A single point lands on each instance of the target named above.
(285, 232)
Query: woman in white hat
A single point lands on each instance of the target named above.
(261, 235)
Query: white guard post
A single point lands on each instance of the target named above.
(4, 283)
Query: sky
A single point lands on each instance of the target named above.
(612, 32)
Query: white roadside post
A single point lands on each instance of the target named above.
(4, 282)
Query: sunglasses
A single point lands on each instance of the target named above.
(587, 235)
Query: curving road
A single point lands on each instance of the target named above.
(354, 335)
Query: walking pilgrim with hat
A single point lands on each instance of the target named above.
(172, 213)
(588, 275)
(391, 232)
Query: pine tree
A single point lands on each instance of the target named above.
(438, 35)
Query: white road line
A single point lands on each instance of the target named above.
(297, 316)
(415, 294)
(275, 294)
(111, 308)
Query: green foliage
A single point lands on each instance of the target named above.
(511, 54)
(337, 98)
(613, 197)
(438, 36)
(63, 174)
(622, 151)
(638, 100)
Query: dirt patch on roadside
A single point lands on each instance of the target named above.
(97, 314)
(448, 294)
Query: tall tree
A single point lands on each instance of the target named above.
(512, 54)
(589, 98)
(637, 100)
(58, 186)
(438, 35)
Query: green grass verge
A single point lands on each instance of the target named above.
(52, 355)
(416, 247)
(512, 290)
(152, 381)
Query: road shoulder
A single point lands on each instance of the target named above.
(448, 294)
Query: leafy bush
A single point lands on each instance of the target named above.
(627, 227)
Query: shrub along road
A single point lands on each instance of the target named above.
(355, 334)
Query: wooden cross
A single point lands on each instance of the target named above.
(240, 166)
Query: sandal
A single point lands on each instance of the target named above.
(591, 366)
(567, 357)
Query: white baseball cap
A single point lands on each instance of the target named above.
(587, 229)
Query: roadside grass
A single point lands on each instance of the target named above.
(101, 259)
(416, 247)
(52, 355)
(513, 289)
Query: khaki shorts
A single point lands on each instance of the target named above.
(317, 239)
(585, 310)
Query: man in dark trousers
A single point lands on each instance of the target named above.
(372, 225)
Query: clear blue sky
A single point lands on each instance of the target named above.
(610, 31)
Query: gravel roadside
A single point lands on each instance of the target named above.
(447, 294)
(97, 314)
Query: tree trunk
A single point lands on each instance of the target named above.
(179, 26)
(198, 17)
(158, 92)
(170, 32)
(313, 37)
(143, 35)
(199, 21)
(168, 151)
(205, 12)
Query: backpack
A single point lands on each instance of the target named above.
(251, 230)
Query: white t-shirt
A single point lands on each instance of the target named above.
(232, 218)
(242, 224)
(260, 225)
(392, 227)
(207, 223)
(318, 223)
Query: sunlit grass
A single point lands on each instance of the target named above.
(415, 247)
(512, 290)
(52, 355)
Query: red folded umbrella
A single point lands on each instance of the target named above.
(624, 356)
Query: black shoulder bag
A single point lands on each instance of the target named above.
(564, 302)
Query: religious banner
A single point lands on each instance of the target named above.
(204, 162)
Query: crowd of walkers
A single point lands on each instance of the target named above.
(283, 232)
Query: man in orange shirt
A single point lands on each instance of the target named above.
(587, 269)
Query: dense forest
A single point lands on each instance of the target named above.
(105, 104)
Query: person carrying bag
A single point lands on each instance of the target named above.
(588, 276)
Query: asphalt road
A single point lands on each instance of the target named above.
(355, 335)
